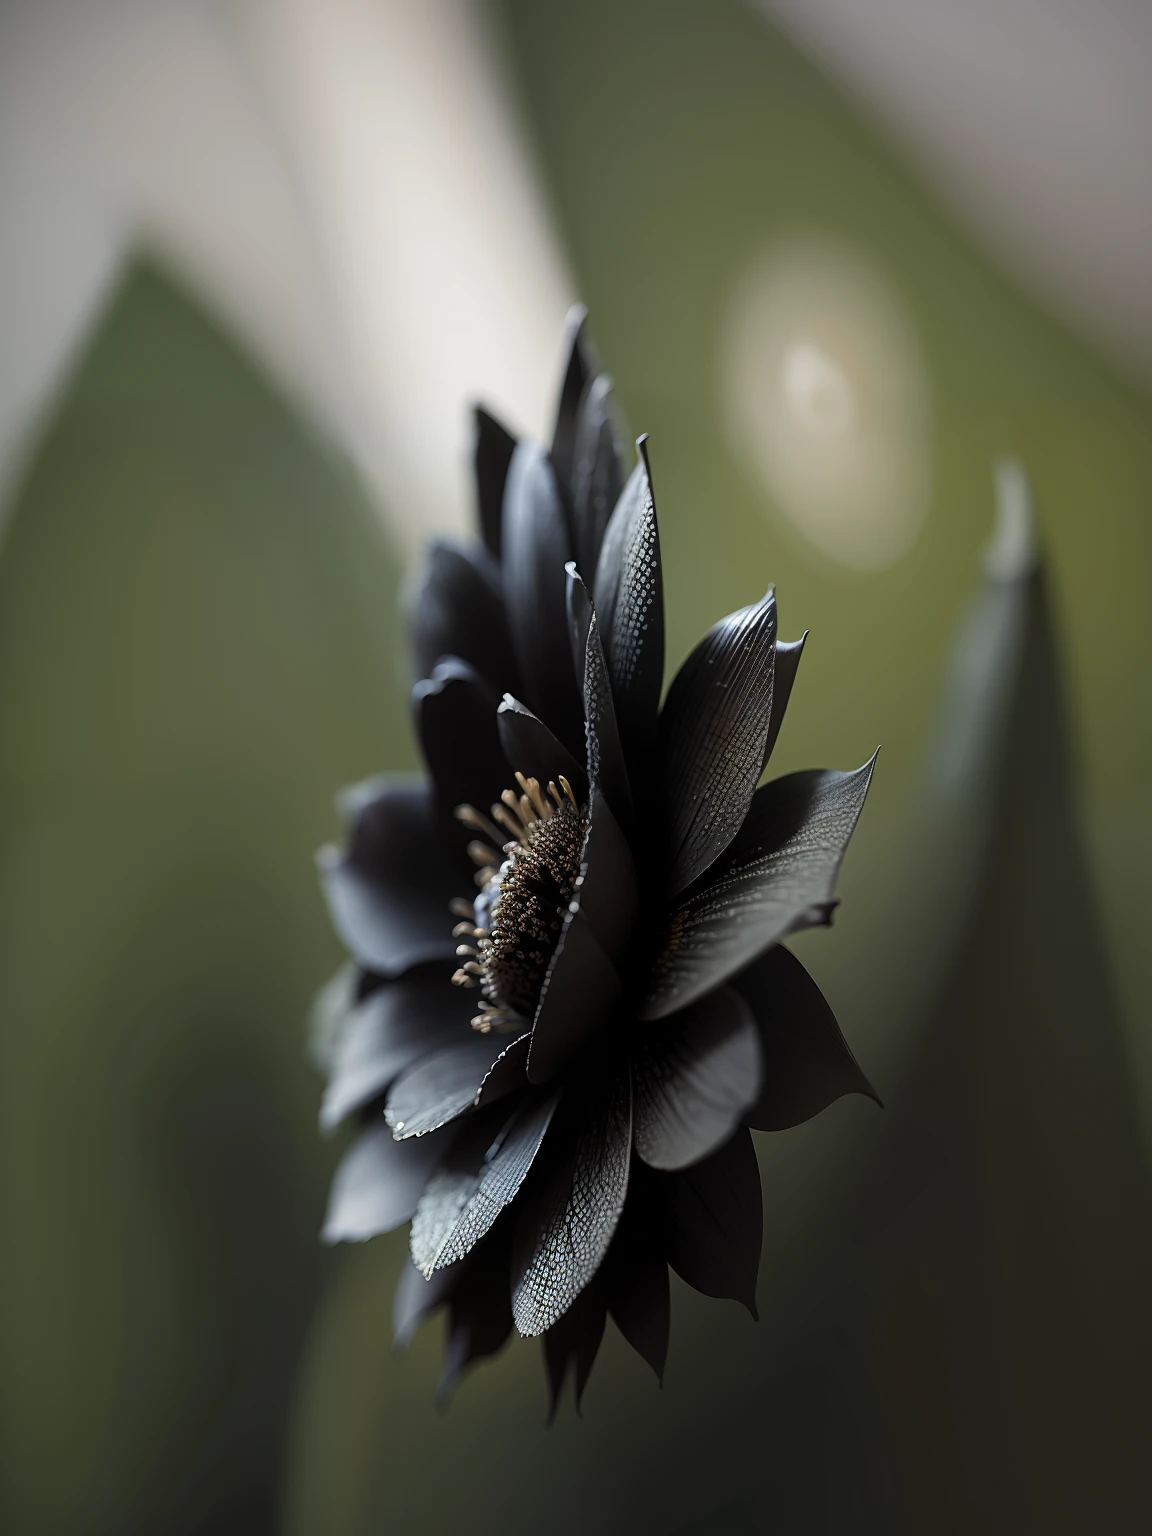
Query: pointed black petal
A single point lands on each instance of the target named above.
(389, 892)
(576, 1195)
(807, 1063)
(713, 730)
(536, 550)
(507, 1072)
(787, 664)
(378, 1184)
(459, 611)
(573, 1344)
(479, 1314)
(713, 1221)
(607, 889)
(605, 755)
(577, 1001)
(493, 454)
(454, 713)
(636, 1278)
(695, 1074)
(415, 1299)
(532, 749)
(475, 1182)
(579, 369)
(629, 596)
(777, 877)
(597, 472)
(440, 1087)
(387, 1033)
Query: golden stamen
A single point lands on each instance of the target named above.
(531, 788)
(461, 908)
(480, 853)
(466, 949)
(475, 819)
(567, 788)
(508, 823)
(461, 978)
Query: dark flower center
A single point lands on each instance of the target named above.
(517, 917)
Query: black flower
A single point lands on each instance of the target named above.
(558, 1091)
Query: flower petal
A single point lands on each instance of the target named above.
(474, 1183)
(493, 454)
(387, 1033)
(536, 548)
(778, 877)
(574, 1342)
(564, 1230)
(787, 664)
(459, 611)
(714, 1222)
(531, 748)
(440, 1087)
(636, 1279)
(629, 596)
(378, 1184)
(388, 893)
(694, 1076)
(416, 1299)
(605, 755)
(479, 1313)
(331, 1008)
(577, 1001)
(607, 890)
(597, 472)
(455, 716)
(713, 731)
(507, 1072)
(807, 1063)
(579, 370)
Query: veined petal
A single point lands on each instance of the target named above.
(495, 446)
(535, 550)
(563, 1231)
(597, 472)
(778, 877)
(785, 667)
(440, 1087)
(807, 1063)
(387, 1033)
(713, 733)
(629, 596)
(458, 610)
(694, 1076)
(388, 893)
(454, 712)
(606, 765)
(378, 1184)
(714, 1221)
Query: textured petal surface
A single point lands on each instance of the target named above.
(564, 1231)
(713, 731)
(495, 446)
(459, 611)
(440, 1087)
(454, 712)
(466, 1194)
(787, 664)
(378, 1184)
(597, 472)
(694, 1076)
(577, 1002)
(807, 1063)
(389, 892)
(387, 1033)
(606, 765)
(531, 748)
(714, 1222)
(536, 550)
(778, 877)
(628, 592)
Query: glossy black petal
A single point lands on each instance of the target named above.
(597, 472)
(807, 1063)
(606, 765)
(714, 1220)
(777, 877)
(572, 1344)
(458, 610)
(532, 749)
(536, 550)
(507, 1073)
(387, 1033)
(454, 712)
(713, 731)
(607, 889)
(629, 596)
(577, 1001)
(694, 1076)
(476, 1181)
(378, 1184)
(388, 893)
(579, 370)
(440, 1087)
(576, 1196)
(479, 1313)
(635, 1278)
(787, 664)
(493, 454)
